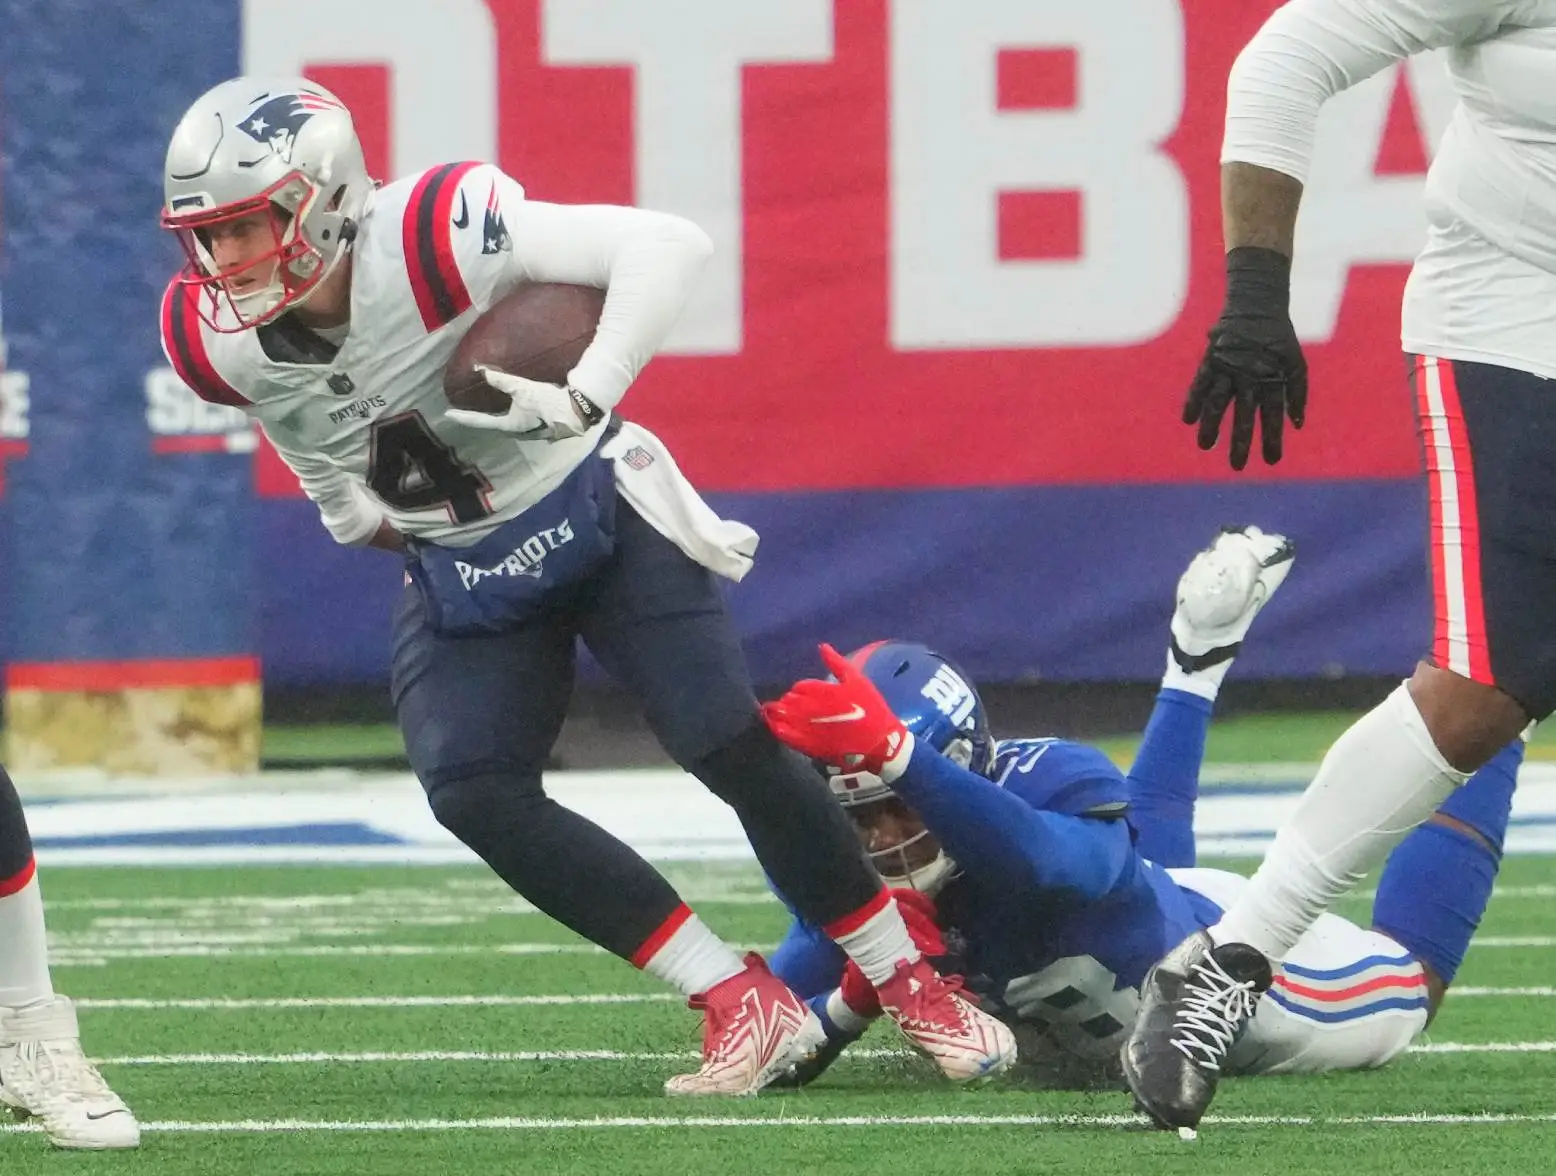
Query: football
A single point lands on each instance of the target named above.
(538, 331)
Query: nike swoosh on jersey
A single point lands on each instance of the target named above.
(846, 717)
(463, 218)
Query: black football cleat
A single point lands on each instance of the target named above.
(1194, 1005)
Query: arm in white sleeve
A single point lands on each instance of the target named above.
(348, 511)
(647, 263)
(1310, 50)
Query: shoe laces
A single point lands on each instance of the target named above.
(934, 990)
(60, 1070)
(1212, 1011)
(722, 1018)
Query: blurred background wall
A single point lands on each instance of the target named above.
(967, 255)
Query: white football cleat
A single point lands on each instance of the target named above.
(1222, 591)
(756, 1031)
(934, 1015)
(43, 1073)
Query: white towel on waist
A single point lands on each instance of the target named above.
(648, 478)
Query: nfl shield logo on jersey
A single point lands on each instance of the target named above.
(340, 383)
(638, 458)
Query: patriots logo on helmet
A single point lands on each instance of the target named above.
(494, 232)
(276, 121)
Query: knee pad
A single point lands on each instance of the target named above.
(465, 803)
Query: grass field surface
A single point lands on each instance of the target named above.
(425, 1021)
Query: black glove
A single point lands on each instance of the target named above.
(1254, 362)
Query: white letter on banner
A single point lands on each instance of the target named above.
(687, 55)
(953, 151)
(1350, 215)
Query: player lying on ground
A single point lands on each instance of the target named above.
(42, 1069)
(328, 308)
(1056, 882)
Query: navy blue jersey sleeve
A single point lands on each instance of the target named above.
(1000, 831)
(807, 961)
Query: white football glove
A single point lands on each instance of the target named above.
(537, 411)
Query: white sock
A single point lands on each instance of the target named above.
(1381, 779)
(686, 954)
(875, 938)
(842, 1014)
(24, 949)
(1206, 683)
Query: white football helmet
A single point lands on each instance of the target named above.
(283, 147)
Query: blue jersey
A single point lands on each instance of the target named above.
(1054, 915)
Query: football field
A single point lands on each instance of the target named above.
(371, 1019)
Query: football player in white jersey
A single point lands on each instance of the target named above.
(43, 1072)
(1479, 327)
(327, 307)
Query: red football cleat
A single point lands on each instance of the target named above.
(934, 1015)
(756, 1031)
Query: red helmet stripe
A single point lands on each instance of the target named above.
(862, 654)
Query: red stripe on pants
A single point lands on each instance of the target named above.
(1459, 612)
(854, 920)
(661, 936)
(18, 881)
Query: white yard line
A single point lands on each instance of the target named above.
(83, 953)
(222, 1004)
(781, 1119)
(611, 1055)
(502, 902)
(1485, 941)
(231, 1004)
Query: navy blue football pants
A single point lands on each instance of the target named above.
(1488, 436)
(15, 844)
(480, 716)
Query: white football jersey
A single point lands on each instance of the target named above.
(364, 427)
(1484, 286)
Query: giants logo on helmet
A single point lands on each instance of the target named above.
(276, 121)
(951, 695)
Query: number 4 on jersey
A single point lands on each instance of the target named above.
(411, 468)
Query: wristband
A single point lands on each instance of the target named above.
(591, 412)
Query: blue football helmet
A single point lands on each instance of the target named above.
(936, 701)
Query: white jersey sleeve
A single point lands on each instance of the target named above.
(647, 263)
(349, 513)
(1310, 50)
